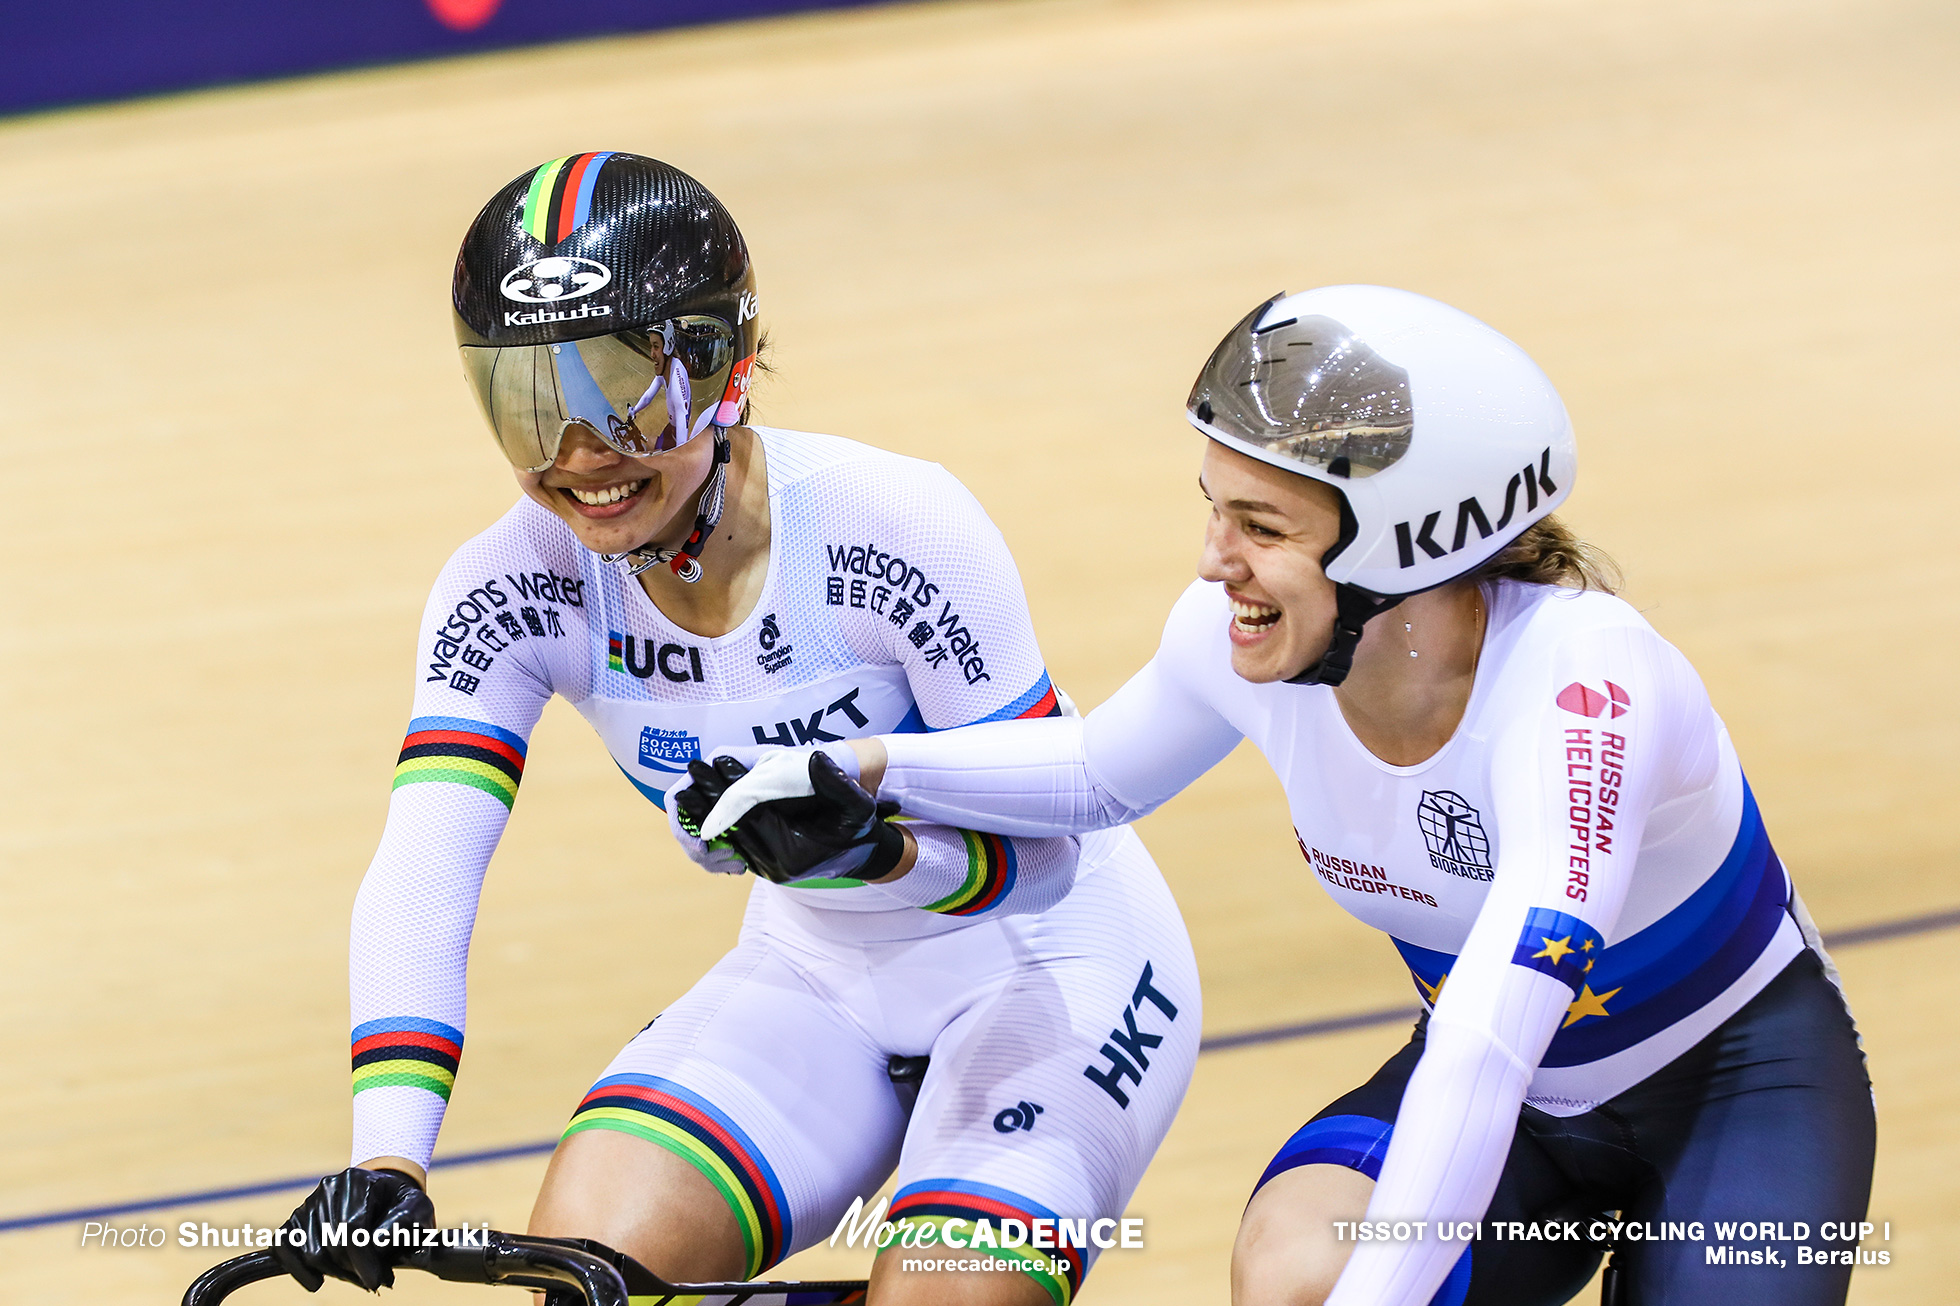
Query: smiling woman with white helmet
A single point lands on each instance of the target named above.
(1503, 767)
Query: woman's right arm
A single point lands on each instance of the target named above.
(1064, 775)
(481, 681)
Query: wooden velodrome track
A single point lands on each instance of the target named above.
(1003, 236)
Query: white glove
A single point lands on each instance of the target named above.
(777, 773)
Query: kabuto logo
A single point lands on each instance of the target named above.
(667, 750)
(1454, 835)
(557, 277)
(1587, 701)
(1471, 512)
(746, 307)
(542, 316)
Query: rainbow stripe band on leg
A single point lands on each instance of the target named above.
(460, 751)
(688, 1125)
(937, 1201)
(990, 874)
(407, 1051)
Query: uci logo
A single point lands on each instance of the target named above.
(548, 280)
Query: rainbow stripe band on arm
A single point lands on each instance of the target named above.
(990, 874)
(407, 1052)
(459, 751)
(1039, 701)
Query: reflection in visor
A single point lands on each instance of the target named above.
(1309, 390)
(531, 394)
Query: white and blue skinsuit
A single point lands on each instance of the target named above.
(1613, 960)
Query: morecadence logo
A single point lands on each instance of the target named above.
(868, 1227)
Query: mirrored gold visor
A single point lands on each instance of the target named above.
(611, 385)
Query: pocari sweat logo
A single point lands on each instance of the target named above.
(667, 750)
(561, 276)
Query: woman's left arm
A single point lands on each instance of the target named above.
(1573, 777)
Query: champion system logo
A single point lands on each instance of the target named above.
(1587, 701)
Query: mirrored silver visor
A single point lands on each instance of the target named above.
(1310, 391)
(614, 386)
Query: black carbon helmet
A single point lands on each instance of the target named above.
(589, 284)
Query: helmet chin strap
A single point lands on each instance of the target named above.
(1352, 609)
(685, 561)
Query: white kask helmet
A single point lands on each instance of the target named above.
(1443, 438)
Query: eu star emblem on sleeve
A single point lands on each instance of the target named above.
(1561, 946)
(1586, 1004)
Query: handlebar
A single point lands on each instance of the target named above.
(504, 1258)
(601, 1276)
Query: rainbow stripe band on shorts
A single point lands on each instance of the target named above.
(990, 874)
(407, 1052)
(456, 750)
(686, 1124)
(936, 1201)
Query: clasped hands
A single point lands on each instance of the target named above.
(795, 814)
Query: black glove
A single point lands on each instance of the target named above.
(707, 782)
(838, 830)
(361, 1199)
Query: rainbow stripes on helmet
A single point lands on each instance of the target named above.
(559, 199)
(460, 751)
(408, 1052)
(688, 1125)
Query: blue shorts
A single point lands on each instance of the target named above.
(1769, 1118)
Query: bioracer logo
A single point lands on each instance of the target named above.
(560, 276)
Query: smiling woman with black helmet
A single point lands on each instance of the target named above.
(692, 583)
(1503, 767)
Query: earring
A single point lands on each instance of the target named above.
(1409, 631)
